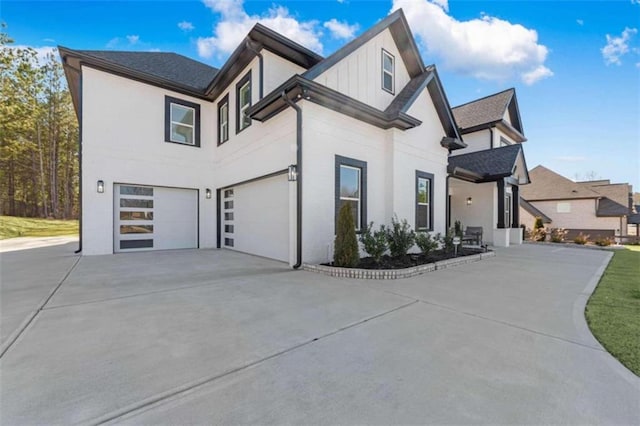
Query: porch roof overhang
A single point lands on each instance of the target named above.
(488, 165)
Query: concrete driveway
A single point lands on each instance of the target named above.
(217, 337)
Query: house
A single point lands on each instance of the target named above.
(597, 208)
(259, 155)
(485, 176)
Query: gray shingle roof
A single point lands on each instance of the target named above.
(482, 111)
(489, 163)
(409, 91)
(549, 185)
(608, 207)
(172, 67)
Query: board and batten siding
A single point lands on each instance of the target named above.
(123, 142)
(359, 75)
(392, 158)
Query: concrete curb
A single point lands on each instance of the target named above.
(394, 274)
(580, 322)
(573, 245)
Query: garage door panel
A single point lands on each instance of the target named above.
(154, 218)
(260, 212)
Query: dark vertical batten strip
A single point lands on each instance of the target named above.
(501, 200)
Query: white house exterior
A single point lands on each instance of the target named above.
(259, 155)
(486, 175)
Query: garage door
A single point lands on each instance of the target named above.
(255, 218)
(154, 218)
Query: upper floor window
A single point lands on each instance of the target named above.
(181, 121)
(351, 188)
(563, 207)
(424, 201)
(243, 102)
(388, 71)
(223, 120)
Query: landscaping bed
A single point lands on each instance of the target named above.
(410, 260)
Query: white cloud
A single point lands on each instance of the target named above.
(617, 46)
(41, 52)
(186, 26)
(580, 22)
(133, 39)
(341, 30)
(48, 40)
(235, 23)
(637, 64)
(125, 42)
(486, 48)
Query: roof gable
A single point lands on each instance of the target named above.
(402, 36)
(428, 79)
(490, 110)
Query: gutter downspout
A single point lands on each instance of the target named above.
(490, 137)
(251, 47)
(80, 166)
(299, 179)
(447, 204)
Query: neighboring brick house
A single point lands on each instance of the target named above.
(597, 208)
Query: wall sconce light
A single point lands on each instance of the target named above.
(100, 188)
(469, 201)
(292, 173)
(207, 193)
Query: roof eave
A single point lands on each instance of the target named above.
(298, 88)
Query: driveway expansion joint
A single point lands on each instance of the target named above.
(184, 390)
(13, 338)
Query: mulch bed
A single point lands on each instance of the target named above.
(388, 262)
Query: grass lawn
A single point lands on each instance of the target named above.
(613, 311)
(11, 227)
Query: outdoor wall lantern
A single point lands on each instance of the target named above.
(207, 193)
(100, 187)
(469, 201)
(292, 173)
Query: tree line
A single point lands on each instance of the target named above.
(38, 136)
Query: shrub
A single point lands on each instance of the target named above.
(457, 228)
(345, 248)
(426, 243)
(374, 243)
(447, 241)
(581, 239)
(538, 223)
(400, 237)
(538, 234)
(603, 242)
(558, 235)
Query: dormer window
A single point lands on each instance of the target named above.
(181, 121)
(388, 71)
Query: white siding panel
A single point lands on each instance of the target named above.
(359, 75)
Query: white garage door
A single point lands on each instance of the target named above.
(154, 218)
(255, 218)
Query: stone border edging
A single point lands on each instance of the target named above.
(394, 274)
(574, 245)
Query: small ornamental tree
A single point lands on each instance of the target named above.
(345, 248)
(447, 240)
(426, 243)
(400, 237)
(539, 233)
(374, 242)
(458, 228)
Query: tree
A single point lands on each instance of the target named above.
(38, 136)
(345, 250)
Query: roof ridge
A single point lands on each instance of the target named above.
(485, 97)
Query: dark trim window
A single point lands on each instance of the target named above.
(181, 121)
(351, 187)
(424, 201)
(388, 71)
(223, 120)
(243, 102)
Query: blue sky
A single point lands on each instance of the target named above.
(575, 65)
